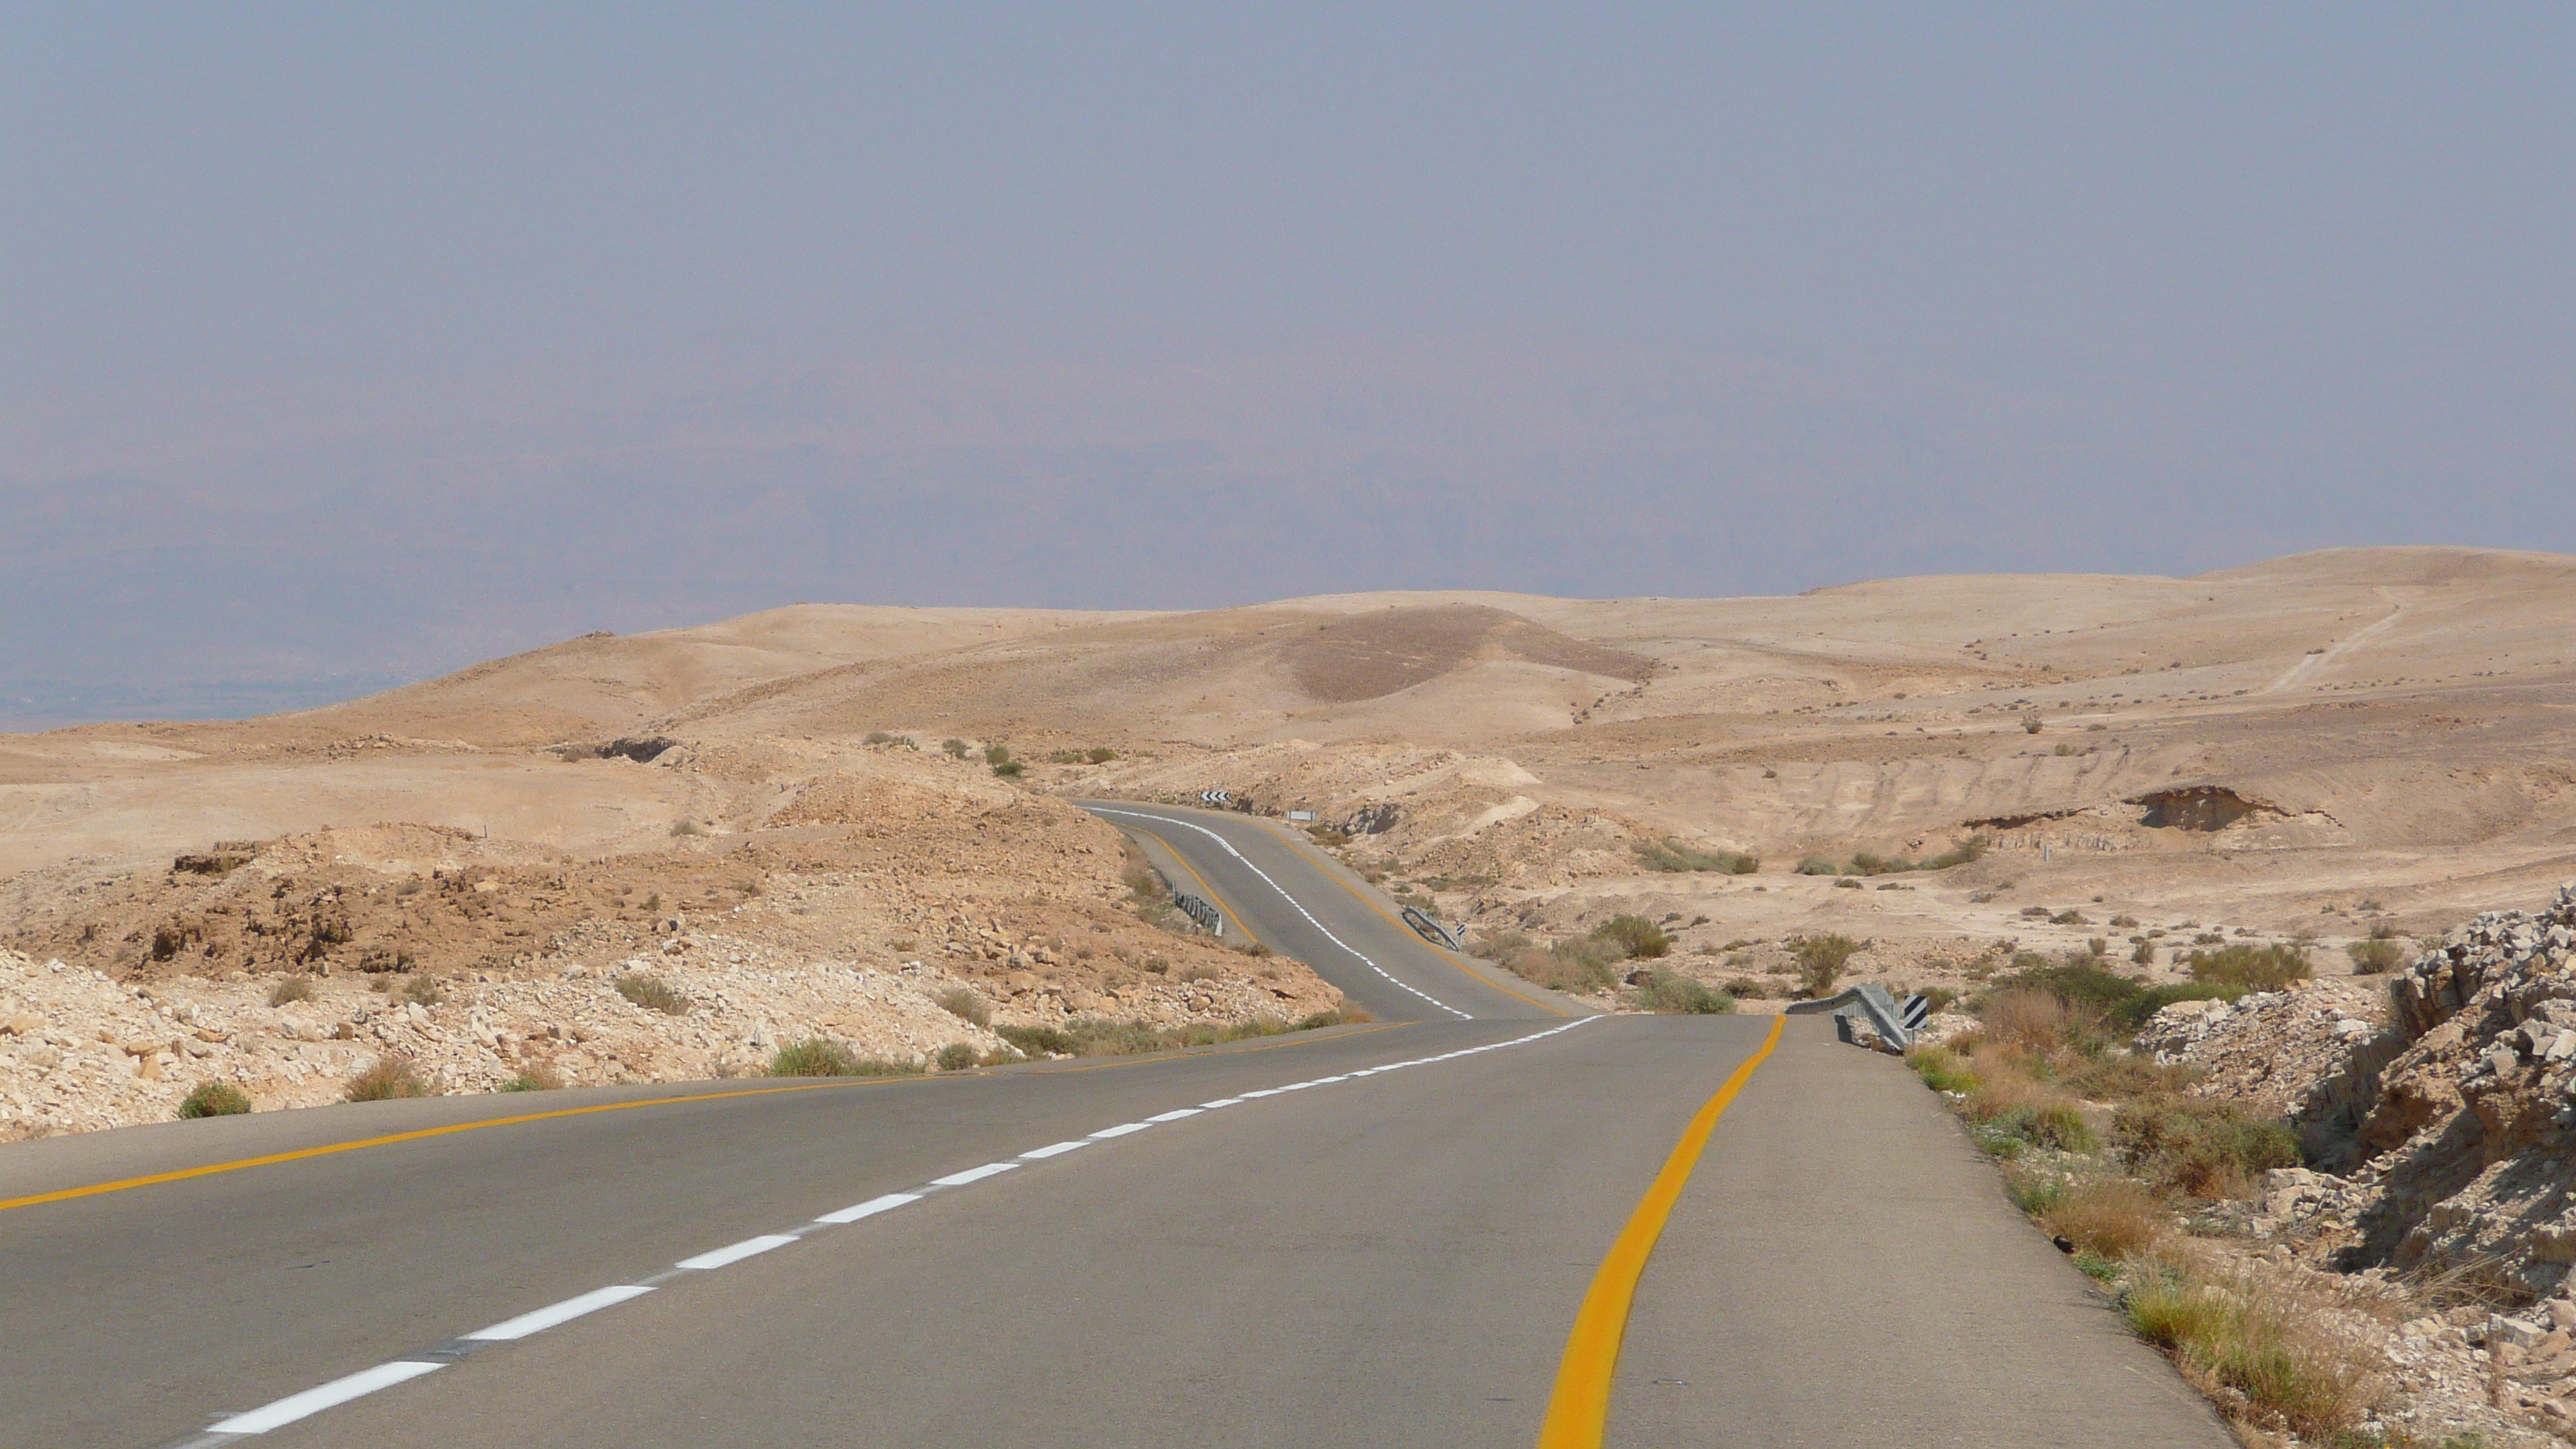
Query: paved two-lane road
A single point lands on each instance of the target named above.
(1389, 1251)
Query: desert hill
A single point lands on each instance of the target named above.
(2350, 742)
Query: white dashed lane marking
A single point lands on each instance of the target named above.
(564, 1312)
(385, 1375)
(733, 1253)
(1292, 901)
(973, 1174)
(314, 1400)
(870, 1208)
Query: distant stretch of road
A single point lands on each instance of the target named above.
(1508, 1227)
(1284, 893)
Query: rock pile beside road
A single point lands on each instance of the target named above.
(2271, 1049)
(2445, 1139)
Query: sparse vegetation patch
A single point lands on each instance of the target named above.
(214, 1099)
(1673, 856)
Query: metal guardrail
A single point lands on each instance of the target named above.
(1890, 1018)
(1431, 930)
(1200, 910)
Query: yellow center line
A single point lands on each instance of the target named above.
(1440, 951)
(1578, 1411)
(1239, 918)
(299, 1154)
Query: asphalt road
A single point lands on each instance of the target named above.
(1286, 894)
(1392, 1252)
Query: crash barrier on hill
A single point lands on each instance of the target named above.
(1201, 911)
(1431, 930)
(1870, 1004)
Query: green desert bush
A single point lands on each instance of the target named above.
(1818, 865)
(1673, 856)
(2260, 1340)
(1674, 994)
(1037, 1041)
(817, 1056)
(957, 1056)
(652, 993)
(537, 1077)
(1942, 1069)
(1965, 852)
(1635, 936)
(214, 1099)
(2198, 1146)
(2083, 982)
(2249, 967)
(2373, 957)
(1820, 962)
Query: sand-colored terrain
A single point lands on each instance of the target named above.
(2318, 746)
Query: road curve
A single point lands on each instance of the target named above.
(1284, 893)
(1394, 1234)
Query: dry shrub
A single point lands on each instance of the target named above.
(2028, 1020)
(962, 1002)
(2200, 1147)
(652, 993)
(298, 987)
(390, 1077)
(2268, 1349)
(535, 1077)
(2112, 1217)
(2010, 1101)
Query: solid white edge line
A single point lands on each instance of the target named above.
(1121, 1130)
(1220, 1102)
(314, 1400)
(735, 1252)
(973, 1174)
(564, 1312)
(870, 1208)
(1052, 1149)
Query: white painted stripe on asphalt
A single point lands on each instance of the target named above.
(736, 1252)
(340, 1391)
(973, 1174)
(564, 1312)
(1055, 1149)
(870, 1208)
(1176, 1114)
(314, 1400)
(1296, 905)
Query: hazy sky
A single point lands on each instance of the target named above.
(348, 343)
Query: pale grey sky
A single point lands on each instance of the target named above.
(344, 344)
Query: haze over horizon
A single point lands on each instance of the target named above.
(346, 348)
